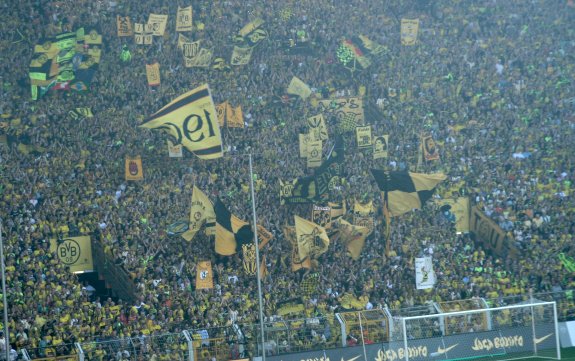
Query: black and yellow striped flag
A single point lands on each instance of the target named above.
(192, 120)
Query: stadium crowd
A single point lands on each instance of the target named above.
(491, 81)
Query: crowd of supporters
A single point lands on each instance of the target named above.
(491, 81)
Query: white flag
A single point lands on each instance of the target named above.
(424, 274)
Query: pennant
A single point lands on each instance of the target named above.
(124, 25)
(404, 191)
(201, 213)
(363, 136)
(317, 127)
(430, 151)
(184, 19)
(190, 119)
(153, 74)
(424, 274)
(409, 30)
(380, 146)
(296, 263)
(314, 153)
(175, 150)
(204, 276)
(263, 268)
(363, 215)
(241, 55)
(234, 116)
(353, 237)
(133, 169)
(231, 232)
(299, 88)
(264, 236)
(158, 24)
(312, 239)
(251, 34)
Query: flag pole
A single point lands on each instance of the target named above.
(258, 272)
(6, 330)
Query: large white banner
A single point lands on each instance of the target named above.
(424, 274)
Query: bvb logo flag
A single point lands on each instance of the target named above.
(321, 215)
(191, 119)
(249, 258)
(133, 169)
(190, 50)
(158, 24)
(201, 212)
(409, 30)
(204, 276)
(317, 127)
(184, 20)
(153, 74)
(363, 136)
(175, 150)
(74, 252)
(312, 239)
(124, 26)
(314, 151)
(380, 146)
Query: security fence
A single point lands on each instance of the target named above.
(285, 336)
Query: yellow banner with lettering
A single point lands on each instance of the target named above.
(124, 26)
(184, 20)
(153, 74)
(409, 31)
(363, 136)
(158, 23)
(204, 276)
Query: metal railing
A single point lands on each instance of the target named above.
(243, 340)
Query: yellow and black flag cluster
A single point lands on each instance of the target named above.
(404, 191)
(231, 232)
(192, 120)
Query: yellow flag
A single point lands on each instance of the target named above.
(353, 237)
(221, 110)
(241, 55)
(363, 136)
(202, 212)
(304, 140)
(204, 276)
(143, 34)
(190, 51)
(380, 146)
(182, 39)
(191, 120)
(312, 239)
(133, 168)
(158, 24)
(299, 88)
(235, 116)
(184, 20)
(153, 74)
(317, 127)
(74, 252)
(264, 236)
(263, 268)
(430, 151)
(175, 150)
(314, 151)
(124, 26)
(296, 263)
(409, 30)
